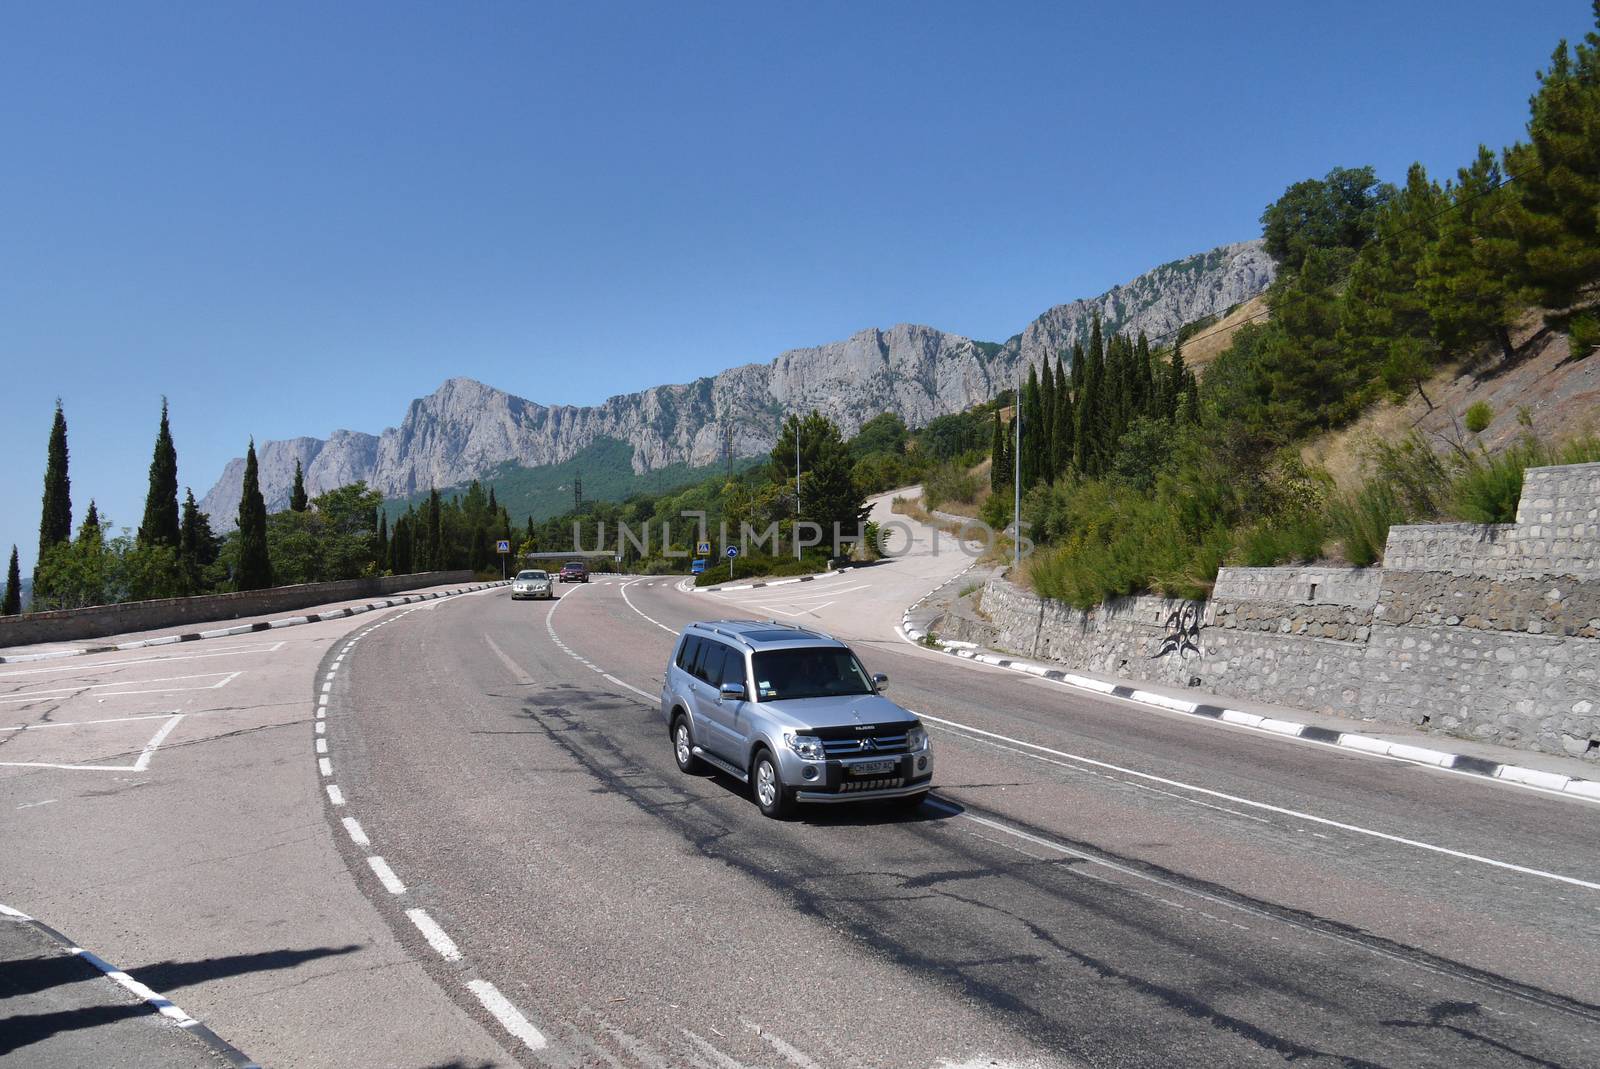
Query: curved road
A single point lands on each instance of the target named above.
(1095, 883)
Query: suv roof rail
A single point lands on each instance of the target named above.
(803, 630)
(725, 633)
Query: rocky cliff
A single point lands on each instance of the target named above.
(464, 428)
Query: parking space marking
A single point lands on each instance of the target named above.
(69, 692)
(78, 666)
(139, 765)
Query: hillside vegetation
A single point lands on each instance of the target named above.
(1381, 288)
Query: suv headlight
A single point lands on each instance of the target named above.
(917, 740)
(808, 747)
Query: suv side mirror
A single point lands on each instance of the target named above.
(731, 691)
(880, 680)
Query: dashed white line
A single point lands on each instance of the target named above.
(335, 795)
(358, 834)
(391, 882)
(326, 766)
(435, 935)
(322, 744)
(510, 1018)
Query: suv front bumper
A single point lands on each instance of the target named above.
(833, 781)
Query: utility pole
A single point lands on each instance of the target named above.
(797, 488)
(1016, 483)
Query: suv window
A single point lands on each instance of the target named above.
(688, 653)
(710, 667)
(809, 672)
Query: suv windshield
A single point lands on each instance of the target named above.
(809, 672)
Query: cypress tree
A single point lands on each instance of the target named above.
(1086, 441)
(55, 517)
(161, 526)
(298, 501)
(383, 539)
(1176, 379)
(1062, 425)
(494, 506)
(1047, 414)
(1144, 384)
(91, 519)
(999, 457)
(11, 604)
(1030, 414)
(255, 564)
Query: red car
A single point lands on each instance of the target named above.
(574, 571)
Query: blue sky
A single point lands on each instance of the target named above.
(291, 218)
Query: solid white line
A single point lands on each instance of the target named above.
(508, 1015)
(335, 795)
(635, 608)
(163, 1005)
(1296, 814)
(83, 723)
(386, 876)
(434, 934)
(32, 695)
(358, 834)
(150, 747)
(641, 693)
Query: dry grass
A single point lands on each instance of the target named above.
(1207, 345)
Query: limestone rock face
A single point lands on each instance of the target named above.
(464, 428)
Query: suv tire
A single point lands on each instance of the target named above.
(683, 747)
(766, 786)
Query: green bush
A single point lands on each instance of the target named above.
(1584, 334)
(950, 482)
(1488, 487)
(1479, 415)
(1361, 521)
(761, 565)
(1284, 540)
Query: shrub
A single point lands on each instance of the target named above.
(950, 482)
(1584, 334)
(1479, 414)
(1361, 521)
(1282, 540)
(1488, 488)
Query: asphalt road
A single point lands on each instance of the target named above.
(1095, 884)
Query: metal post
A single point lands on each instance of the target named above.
(1016, 483)
(797, 488)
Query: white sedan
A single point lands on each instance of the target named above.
(531, 584)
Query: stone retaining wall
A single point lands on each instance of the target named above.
(1484, 631)
(70, 625)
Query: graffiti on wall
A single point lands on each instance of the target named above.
(1182, 633)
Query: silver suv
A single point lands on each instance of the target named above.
(792, 713)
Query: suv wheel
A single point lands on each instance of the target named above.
(775, 800)
(683, 747)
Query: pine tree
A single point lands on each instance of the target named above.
(91, 519)
(1553, 217)
(161, 526)
(1467, 278)
(11, 604)
(55, 517)
(255, 564)
(494, 506)
(1177, 376)
(197, 546)
(298, 501)
(1144, 382)
(1063, 425)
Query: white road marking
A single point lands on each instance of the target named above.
(68, 692)
(391, 882)
(139, 765)
(803, 611)
(322, 727)
(1267, 807)
(335, 795)
(322, 744)
(30, 805)
(435, 935)
(84, 723)
(78, 666)
(510, 1018)
(163, 1005)
(325, 765)
(517, 672)
(358, 834)
(635, 608)
(793, 1054)
(151, 746)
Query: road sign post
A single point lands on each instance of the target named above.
(733, 551)
(503, 547)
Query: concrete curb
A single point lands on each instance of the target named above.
(245, 629)
(692, 589)
(1589, 790)
(158, 1003)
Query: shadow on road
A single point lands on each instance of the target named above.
(34, 975)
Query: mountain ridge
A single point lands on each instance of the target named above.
(465, 428)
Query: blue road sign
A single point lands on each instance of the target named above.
(697, 567)
(502, 546)
(703, 548)
(733, 551)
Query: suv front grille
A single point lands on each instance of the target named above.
(888, 743)
(852, 786)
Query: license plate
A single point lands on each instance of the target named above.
(871, 768)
